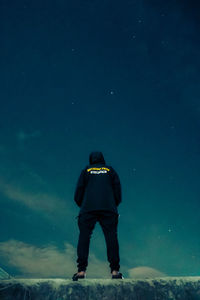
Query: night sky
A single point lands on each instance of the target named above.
(121, 77)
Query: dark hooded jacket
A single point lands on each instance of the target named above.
(98, 186)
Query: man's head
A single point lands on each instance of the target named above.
(96, 157)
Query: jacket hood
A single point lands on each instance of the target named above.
(96, 157)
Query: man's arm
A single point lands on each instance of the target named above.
(116, 187)
(80, 189)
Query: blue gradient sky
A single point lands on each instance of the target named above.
(122, 78)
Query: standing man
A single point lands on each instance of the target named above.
(98, 193)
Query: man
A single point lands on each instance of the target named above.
(98, 193)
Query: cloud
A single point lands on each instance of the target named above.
(21, 135)
(48, 261)
(40, 201)
(144, 272)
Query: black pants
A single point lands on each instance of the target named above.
(108, 222)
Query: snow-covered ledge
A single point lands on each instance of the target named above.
(163, 288)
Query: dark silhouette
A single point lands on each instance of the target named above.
(98, 193)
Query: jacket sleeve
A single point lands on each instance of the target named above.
(80, 189)
(116, 187)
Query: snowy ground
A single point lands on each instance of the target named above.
(166, 288)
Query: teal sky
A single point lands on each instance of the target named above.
(121, 78)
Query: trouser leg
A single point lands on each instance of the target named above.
(109, 224)
(86, 225)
